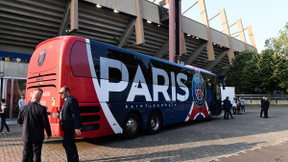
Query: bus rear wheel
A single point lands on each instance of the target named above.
(210, 117)
(154, 123)
(131, 126)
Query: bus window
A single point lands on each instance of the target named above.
(78, 60)
(133, 62)
(99, 52)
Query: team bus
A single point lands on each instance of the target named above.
(119, 91)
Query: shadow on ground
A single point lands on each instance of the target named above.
(197, 131)
(185, 154)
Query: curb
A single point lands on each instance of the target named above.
(11, 122)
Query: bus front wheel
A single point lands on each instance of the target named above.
(154, 123)
(131, 126)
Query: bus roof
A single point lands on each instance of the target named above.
(132, 52)
(51, 39)
(158, 59)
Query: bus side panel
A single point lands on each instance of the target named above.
(168, 111)
(183, 109)
(121, 67)
(95, 122)
(211, 100)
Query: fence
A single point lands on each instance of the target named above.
(255, 99)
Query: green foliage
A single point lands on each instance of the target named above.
(279, 44)
(267, 70)
(281, 71)
(234, 75)
(251, 77)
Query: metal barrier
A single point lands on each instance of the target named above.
(274, 98)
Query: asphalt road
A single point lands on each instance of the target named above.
(247, 137)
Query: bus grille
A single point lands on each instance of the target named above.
(86, 128)
(41, 80)
(90, 118)
(43, 75)
(89, 109)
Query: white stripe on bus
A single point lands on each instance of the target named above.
(190, 112)
(108, 114)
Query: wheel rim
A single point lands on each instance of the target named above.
(155, 123)
(131, 126)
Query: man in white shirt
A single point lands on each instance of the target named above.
(21, 102)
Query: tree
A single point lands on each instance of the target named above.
(266, 66)
(281, 71)
(250, 78)
(250, 70)
(267, 71)
(234, 75)
(279, 44)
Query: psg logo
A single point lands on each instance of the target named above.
(41, 57)
(198, 90)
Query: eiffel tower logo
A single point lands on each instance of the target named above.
(199, 93)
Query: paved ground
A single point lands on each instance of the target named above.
(245, 138)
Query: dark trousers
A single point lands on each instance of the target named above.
(261, 112)
(265, 113)
(226, 114)
(70, 146)
(234, 110)
(3, 123)
(238, 109)
(32, 150)
(243, 108)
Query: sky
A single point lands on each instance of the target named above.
(267, 17)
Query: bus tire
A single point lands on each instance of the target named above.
(210, 117)
(131, 126)
(154, 123)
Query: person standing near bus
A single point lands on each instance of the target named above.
(71, 122)
(242, 103)
(227, 107)
(262, 103)
(234, 105)
(266, 105)
(3, 119)
(21, 102)
(34, 118)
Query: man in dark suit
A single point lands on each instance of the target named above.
(266, 105)
(227, 107)
(34, 118)
(262, 103)
(71, 122)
